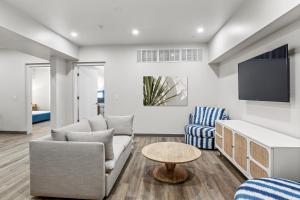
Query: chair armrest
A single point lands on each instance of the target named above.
(191, 118)
(67, 169)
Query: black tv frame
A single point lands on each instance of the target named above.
(284, 99)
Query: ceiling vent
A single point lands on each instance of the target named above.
(169, 55)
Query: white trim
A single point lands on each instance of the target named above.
(37, 64)
(28, 98)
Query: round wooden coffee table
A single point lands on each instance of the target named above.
(171, 153)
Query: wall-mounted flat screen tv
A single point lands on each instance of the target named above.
(265, 77)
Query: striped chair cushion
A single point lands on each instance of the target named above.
(199, 114)
(268, 188)
(203, 143)
(211, 115)
(200, 131)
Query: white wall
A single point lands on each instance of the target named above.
(100, 81)
(12, 89)
(41, 87)
(283, 117)
(19, 23)
(124, 86)
(62, 105)
(251, 17)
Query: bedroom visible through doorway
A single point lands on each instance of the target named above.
(39, 94)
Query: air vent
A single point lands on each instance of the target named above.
(147, 56)
(169, 55)
(191, 54)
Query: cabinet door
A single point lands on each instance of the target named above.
(219, 142)
(259, 154)
(240, 151)
(228, 139)
(257, 171)
(218, 128)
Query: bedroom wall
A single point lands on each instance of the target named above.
(124, 86)
(41, 87)
(282, 117)
(12, 89)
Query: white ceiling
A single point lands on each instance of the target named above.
(159, 21)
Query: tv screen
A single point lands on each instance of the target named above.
(265, 77)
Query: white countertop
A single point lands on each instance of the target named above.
(262, 135)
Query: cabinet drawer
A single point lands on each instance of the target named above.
(240, 151)
(228, 140)
(256, 171)
(219, 128)
(259, 153)
(219, 142)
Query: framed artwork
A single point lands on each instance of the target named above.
(165, 91)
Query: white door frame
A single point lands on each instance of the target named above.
(76, 66)
(28, 92)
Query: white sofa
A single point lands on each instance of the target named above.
(76, 169)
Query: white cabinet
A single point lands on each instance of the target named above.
(258, 152)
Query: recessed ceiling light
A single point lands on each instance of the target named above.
(74, 34)
(200, 30)
(135, 32)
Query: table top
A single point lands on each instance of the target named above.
(171, 152)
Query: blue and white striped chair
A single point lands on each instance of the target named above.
(200, 131)
(268, 189)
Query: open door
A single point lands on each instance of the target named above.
(88, 91)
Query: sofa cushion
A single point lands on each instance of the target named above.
(122, 125)
(105, 137)
(61, 133)
(211, 115)
(120, 142)
(98, 123)
(199, 114)
(200, 131)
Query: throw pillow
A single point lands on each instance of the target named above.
(98, 123)
(60, 133)
(122, 125)
(105, 137)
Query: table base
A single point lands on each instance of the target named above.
(170, 173)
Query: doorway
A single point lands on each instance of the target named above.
(89, 91)
(38, 97)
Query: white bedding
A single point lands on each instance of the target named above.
(40, 112)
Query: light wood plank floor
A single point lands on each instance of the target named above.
(211, 176)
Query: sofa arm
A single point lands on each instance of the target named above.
(67, 169)
(191, 118)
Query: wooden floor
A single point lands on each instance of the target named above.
(211, 176)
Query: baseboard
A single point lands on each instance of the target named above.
(158, 135)
(13, 132)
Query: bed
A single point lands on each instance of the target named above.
(40, 116)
